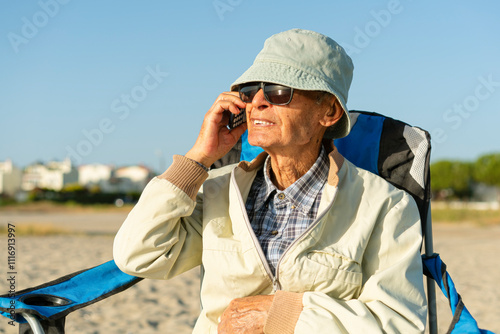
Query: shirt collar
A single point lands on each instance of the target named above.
(303, 192)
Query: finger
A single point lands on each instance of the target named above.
(221, 107)
(228, 95)
(220, 113)
(234, 100)
(238, 131)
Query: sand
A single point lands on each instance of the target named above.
(471, 253)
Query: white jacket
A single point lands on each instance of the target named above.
(357, 269)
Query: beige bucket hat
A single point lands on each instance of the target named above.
(305, 60)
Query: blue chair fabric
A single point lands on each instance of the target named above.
(462, 321)
(53, 301)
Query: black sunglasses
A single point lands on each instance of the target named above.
(274, 93)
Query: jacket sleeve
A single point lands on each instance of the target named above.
(392, 299)
(161, 237)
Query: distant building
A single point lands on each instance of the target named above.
(131, 178)
(10, 178)
(54, 175)
(485, 193)
(96, 175)
(111, 180)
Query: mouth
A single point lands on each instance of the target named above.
(258, 122)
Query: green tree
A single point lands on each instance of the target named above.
(454, 176)
(487, 169)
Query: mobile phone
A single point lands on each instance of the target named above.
(237, 120)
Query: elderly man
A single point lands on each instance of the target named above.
(298, 240)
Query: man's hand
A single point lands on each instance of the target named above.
(246, 315)
(215, 140)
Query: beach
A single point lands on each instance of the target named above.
(469, 250)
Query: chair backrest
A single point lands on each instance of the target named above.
(394, 150)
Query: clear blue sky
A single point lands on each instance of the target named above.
(76, 75)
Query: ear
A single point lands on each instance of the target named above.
(333, 114)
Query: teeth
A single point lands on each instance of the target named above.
(256, 122)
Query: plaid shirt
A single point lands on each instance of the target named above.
(279, 217)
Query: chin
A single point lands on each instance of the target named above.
(253, 139)
(257, 141)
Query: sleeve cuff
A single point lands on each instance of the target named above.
(185, 174)
(284, 312)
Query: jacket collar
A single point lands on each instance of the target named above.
(336, 162)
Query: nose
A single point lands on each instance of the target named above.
(259, 100)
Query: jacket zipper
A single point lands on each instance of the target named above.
(274, 278)
(254, 237)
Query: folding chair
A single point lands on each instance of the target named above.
(389, 148)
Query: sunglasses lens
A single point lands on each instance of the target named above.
(275, 94)
(247, 93)
(278, 94)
